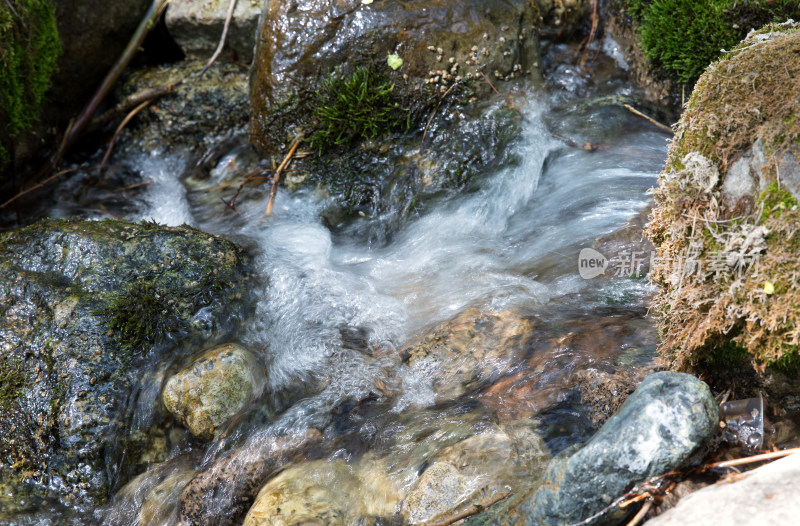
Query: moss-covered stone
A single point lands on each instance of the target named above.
(29, 51)
(726, 209)
(67, 434)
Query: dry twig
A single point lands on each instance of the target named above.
(641, 513)
(474, 509)
(446, 93)
(37, 186)
(132, 101)
(119, 129)
(221, 44)
(488, 81)
(276, 177)
(648, 118)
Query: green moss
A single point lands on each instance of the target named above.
(143, 314)
(12, 381)
(685, 36)
(358, 106)
(29, 51)
(775, 200)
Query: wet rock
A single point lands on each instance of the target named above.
(661, 425)
(207, 393)
(152, 497)
(225, 491)
(561, 18)
(599, 358)
(766, 495)
(475, 471)
(321, 492)
(85, 304)
(201, 108)
(197, 26)
(469, 351)
(302, 44)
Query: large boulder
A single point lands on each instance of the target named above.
(86, 306)
(726, 210)
(213, 388)
(197, 26)
(303, 44)
(660, 427)
(767, 495)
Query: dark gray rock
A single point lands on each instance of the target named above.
(86, 305)
(661, 425)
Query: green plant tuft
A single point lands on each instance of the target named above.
(358, 106)
(775, 201)
(29, 51)
(685, 36)
(141, 315)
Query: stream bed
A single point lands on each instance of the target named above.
(346, 319)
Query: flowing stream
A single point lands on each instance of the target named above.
(337, 308)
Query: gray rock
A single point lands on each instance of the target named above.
(208, 392)
(661, 425)
(767, 495)
(85, 305)
(196, 25)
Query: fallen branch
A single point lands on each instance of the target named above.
(425, 131)
(121, 126)
(37, 186)
(750, 460)
(276, 177)
(231, 7)
(125, 106)
(474, 509)
(82, 120)
(489, 81)
(641, 513)
(648, 118)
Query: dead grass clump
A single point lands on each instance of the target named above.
(728, 278)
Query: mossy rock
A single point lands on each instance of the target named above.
(302, 45)
(727, 203)
(64, 430)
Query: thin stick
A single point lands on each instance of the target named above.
(37, 186)
(132, 186)
(131, 102)
(76, 130)
(468, 512)
(121, 126)
(489, 81)
(446, 93)
(244, 182)
(648, 118)
(221, 44)
(641, 513)
(248, 177)
(754, 458)
(592, 33)
(276, 177)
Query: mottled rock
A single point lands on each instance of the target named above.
(766, 495)
(324, 493)
(302, 43)
(208, 392)
(225, 491)
(197, 113)
(83, 303)
(661, 425)
(196, 25)
(476, 470)
(465, 353)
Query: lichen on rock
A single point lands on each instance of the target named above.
(726, 209)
